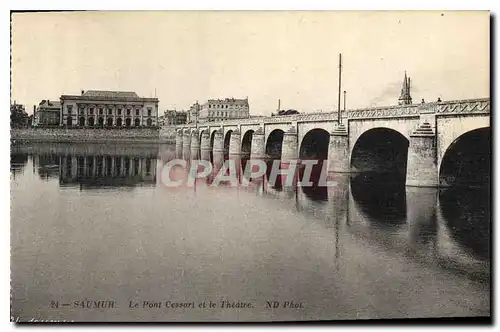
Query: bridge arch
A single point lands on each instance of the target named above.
(212, 139)
(274, 143)
(227, 140)
(246, 142)
(380, 150)
(201, 134)
(314, 145)
(467, 160)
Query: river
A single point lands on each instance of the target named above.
(109, 230)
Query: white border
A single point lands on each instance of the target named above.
(182, 5)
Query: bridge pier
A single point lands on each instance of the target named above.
(338, 150)
(178, 142)
(218, 142)
(258, 145)
(205, 141)
(186, 144)
(195, 143)
(235, 143)
(289, 146)
(421, 169)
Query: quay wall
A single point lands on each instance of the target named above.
(63, 135)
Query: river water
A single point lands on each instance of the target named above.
(108, 230)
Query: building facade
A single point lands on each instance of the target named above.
(219, 110)
(108, 109)
(174, 117)
(47, 114)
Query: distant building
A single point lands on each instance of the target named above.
(193, 112)
(174, 117)
(47, 114)
(219, 110)
(109, 109)
(405, 97)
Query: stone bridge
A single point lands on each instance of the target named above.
(430, 144)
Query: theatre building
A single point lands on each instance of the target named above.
(108, 109)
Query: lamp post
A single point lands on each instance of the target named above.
(344, 101)
(340, 86)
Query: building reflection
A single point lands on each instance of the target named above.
(93, 165)
(95, 171)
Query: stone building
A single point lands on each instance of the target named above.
(174, 117)
(405, 97)
(109, 109)
(193, 113)
(219, 110)
(47, 114)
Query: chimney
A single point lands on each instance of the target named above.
(34, 109)
(83, 91)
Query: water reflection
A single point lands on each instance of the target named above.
(17, 162)
(420, 248)
(381, 197)
(448, 229)
(404, 220)
(92, 166)
(467, 214)
(315, 192)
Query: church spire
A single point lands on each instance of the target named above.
(405, 97)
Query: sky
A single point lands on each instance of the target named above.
(188, 56)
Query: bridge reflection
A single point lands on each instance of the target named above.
(447, 229)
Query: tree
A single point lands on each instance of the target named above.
(18, 116)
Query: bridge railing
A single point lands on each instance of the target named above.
(466, 106)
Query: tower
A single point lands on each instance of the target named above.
(405, 97)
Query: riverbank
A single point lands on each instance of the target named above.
(100, 135)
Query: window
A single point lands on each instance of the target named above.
(209, 106)
(119, 111)
(128, 111)
(100, 111)
(149, 111)
(110, 111)
(226, 106)
(91, 111)
(136, 112)
(70, 109)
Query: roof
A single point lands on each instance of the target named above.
(110, 94)
(228, 101)
(103, 95)
(50, 104)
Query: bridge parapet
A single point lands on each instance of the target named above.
(467, 106)
(385, 112)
